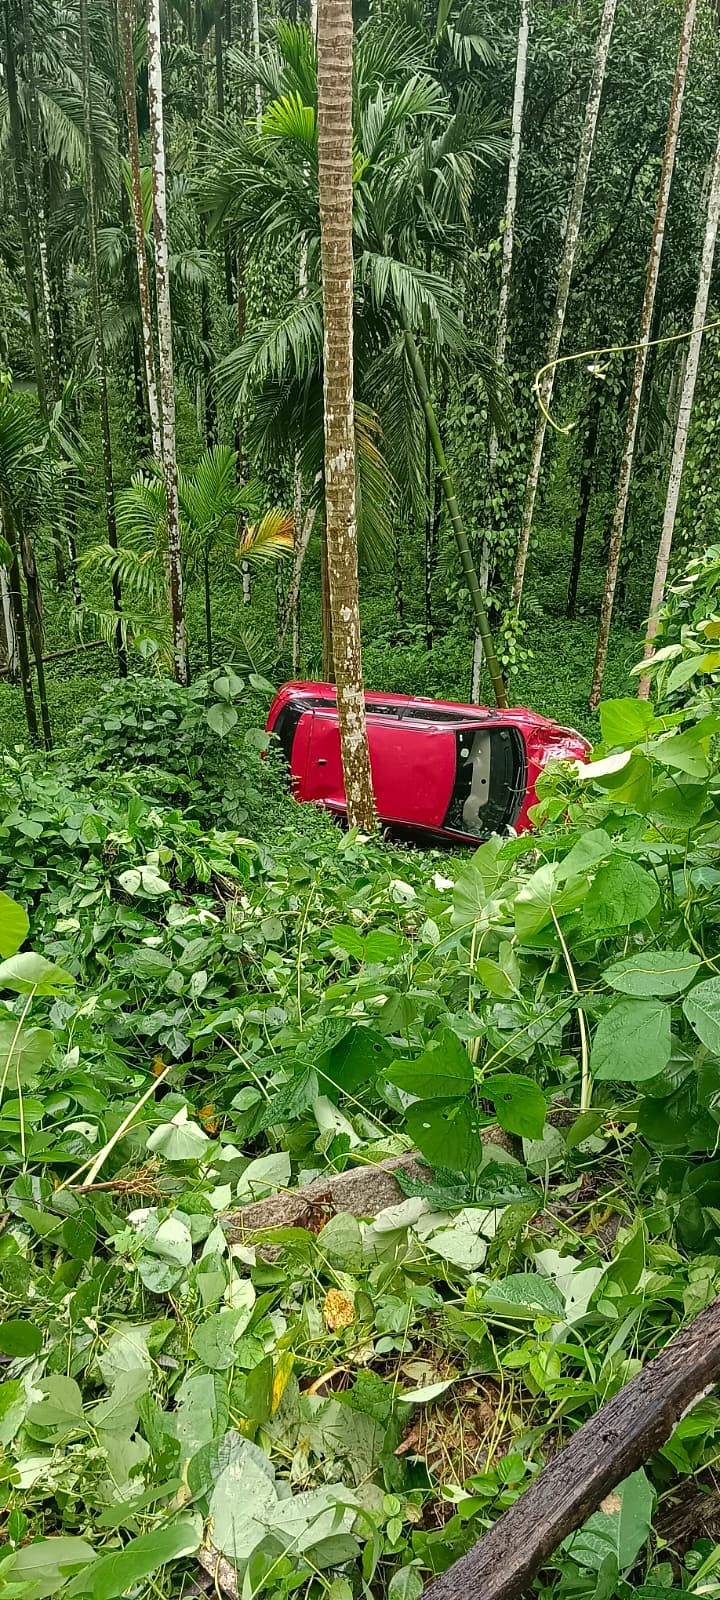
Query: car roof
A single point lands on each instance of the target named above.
(451, 713)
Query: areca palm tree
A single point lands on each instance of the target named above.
(414, 168)
(215, 513)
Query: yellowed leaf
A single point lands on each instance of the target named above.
(338, 1311)
(283, 1369)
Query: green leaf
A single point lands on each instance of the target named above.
(477, 883)
(23, 1051)
(112, 1575)
(622, 892)
(444, 1132)
(621, 1528)
(519, 1103)
(61, 1405)
(683, 752)
(702, 1009)
(443, 1070)
(624, 722)
(497, 983)
(632, 1041)
(222, 717)
(524, 1295)
(179, 1140)
(13, 1405)
(257, 1398)
(241, 1502)
(355, 1060)
(28, 971)
(655, 972)
(544, 893)
(47, 1564)
(430, 1391)
(201, 1411)
(214, 1341)
(19, 1338)
(144, 881)
(406, 1584)
(14, 925)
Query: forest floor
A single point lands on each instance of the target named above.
(340, 1407)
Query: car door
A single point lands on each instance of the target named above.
(413, 767)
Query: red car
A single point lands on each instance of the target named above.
(453, 771)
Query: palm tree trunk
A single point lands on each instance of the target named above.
(208, 610)
(162, 290)
(429, 550)
(23, 214)
(572, 231)
(448, 487)
(326, 620)
(11, 643)
(18, 616)
(126, 17)
(684, 412)
(99, 336)
(292, 610)
(335, 55)
(508, 241)
(35, 624)
(586, 480)
(255, 13)
(646, 316)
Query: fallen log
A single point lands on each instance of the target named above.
(605, 1450)
(363, 1191)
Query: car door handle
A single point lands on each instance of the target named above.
(322, 761)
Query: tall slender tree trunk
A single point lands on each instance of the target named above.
(335, 56)
(586, 480)
(646, 316)
(684, 412)
(292, 610)
(508, 241)
(221, 26)
(461, 538)
(11, 641)
(162, 292)
(35, 626)
(126, 18)
(99, 336)
(429, 543)
(572, 232)
(23, 214)
(15, 588)
(255, 13)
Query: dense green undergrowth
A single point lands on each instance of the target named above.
(210, 994)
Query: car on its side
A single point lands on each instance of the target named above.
(440, 769)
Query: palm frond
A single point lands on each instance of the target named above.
(375, 492)
(380, 118)
(137, 571)
(287, 344)
(290, 119)
(271, 538)
(395, 286)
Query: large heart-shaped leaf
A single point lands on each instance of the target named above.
(632, 1041)
(655, 972)
(702, 1009)
(519, 1103)
(445, 1132)
(442, 1071)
